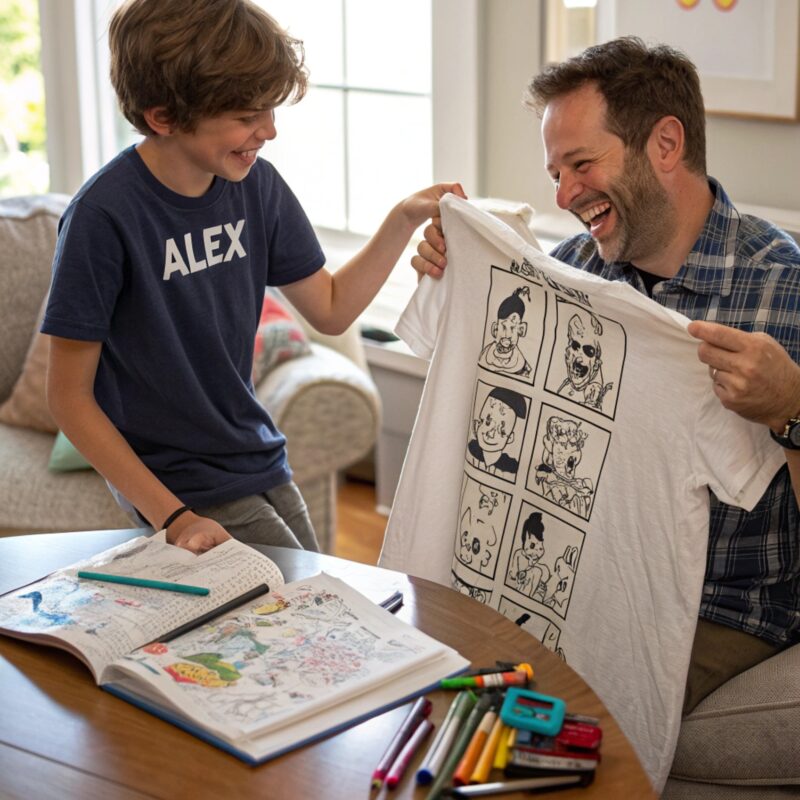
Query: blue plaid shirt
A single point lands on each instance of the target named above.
(745, 273)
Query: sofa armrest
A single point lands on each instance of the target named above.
(328, 409)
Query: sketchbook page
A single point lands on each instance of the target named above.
(313, 645)
(99, 622)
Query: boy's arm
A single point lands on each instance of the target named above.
(70, 394)
(331, 303)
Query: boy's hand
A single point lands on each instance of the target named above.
(196, 534)
(419, 207)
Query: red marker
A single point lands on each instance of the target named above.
(420, 710)
(407, 753)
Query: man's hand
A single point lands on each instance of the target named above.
(430, 258)
(196, 534)
(753, 374)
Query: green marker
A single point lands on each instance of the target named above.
(146, 582)
(461, 744)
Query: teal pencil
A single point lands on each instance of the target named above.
(461, 743)
(146, 582)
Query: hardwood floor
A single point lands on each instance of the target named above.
(359, 527)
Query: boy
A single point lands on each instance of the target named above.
(160, 270)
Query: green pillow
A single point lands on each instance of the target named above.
(65, 457)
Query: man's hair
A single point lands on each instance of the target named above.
(199, 58)
(640, 85)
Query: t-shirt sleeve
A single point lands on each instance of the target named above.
(88, 274)
(737, 458)
(294, 250)
(418, 325)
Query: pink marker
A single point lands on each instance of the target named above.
(407, 753)
(421, 708)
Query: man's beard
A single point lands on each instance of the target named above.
(645, 217)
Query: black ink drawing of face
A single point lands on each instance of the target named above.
(563, 446)
(494, 429)
(582, 355)
(506, 333)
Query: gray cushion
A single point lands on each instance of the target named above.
(746, 732)
(27, 241)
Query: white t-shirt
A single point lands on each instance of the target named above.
(559, 466)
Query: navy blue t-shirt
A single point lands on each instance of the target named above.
(173, 287)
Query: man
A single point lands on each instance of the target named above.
(623, 127)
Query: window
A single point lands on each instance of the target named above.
(23, 158)
(361, 138)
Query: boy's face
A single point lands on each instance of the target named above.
(494, 429)
(225, 145)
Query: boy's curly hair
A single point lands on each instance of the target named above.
(199, 58)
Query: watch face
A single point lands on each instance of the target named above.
(794, 434)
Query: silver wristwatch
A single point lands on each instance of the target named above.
(790, 438)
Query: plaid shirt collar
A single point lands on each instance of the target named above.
(708, 267)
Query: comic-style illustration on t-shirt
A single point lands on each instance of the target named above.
(497, 430)
(483, 515)
(537, 440)
(593, 350)
(513, 328)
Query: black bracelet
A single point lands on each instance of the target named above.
(173, 516)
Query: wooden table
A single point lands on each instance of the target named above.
(62, 737)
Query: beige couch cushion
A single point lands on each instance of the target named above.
(27, 241)
(27, 405)
(746, 732)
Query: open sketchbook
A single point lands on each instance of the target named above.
(290, 665)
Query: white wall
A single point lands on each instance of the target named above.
(757, 162)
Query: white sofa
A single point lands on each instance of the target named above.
(325, 402)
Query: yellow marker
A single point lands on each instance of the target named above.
(501, 754)
(486, 758)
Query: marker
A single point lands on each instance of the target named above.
(393, 602)
(518, 677)
(460, 745)
(456, 714)
(475, 747)
(522, 785)
(486, 758)
(241, 600)
(407, 753)
(146, 582)
(507, 740)
(421, 708)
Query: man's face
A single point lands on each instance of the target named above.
(506, 333)
(494, 428)
(613, 192)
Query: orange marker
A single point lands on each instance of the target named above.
(475, 747)
(486, 758)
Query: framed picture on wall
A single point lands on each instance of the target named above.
(746, 51)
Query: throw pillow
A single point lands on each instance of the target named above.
(26, 406)
(279, 338)
(64, 457)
